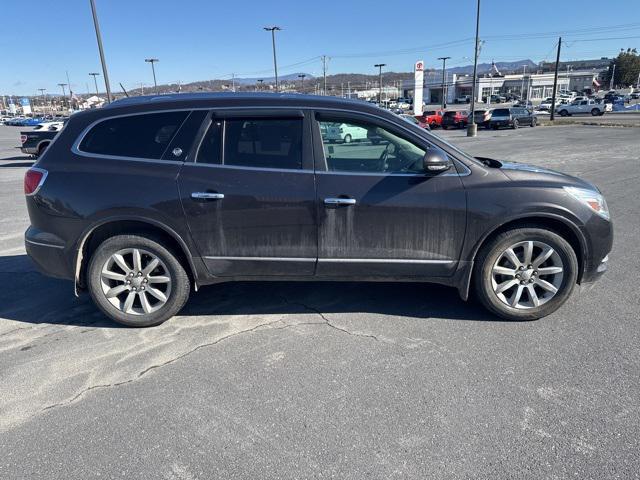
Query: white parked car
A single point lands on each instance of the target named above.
(50, 126)
(342, 132)
(583, 106)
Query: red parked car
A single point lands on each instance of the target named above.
(431, 117)
(455, 118)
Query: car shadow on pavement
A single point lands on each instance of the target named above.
(30, 297)
(18, 164)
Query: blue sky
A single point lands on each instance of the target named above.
(204, 39)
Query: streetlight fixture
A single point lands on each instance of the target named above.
(153, 69)
(94, 75)
(101, 50)
(472, 128)
(444, 62)
(301, 77)
(379, 67)
(260, 80)
(273, 30)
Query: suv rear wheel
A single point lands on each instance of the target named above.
(525, 273)
(137, 281)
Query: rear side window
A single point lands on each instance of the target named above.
(136, 136)
(501, 112)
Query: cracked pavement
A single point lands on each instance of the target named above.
(330, 380)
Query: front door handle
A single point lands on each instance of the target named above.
(339, 201)
(207, 196)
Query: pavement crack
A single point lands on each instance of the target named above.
(328, 322)
(154, 367)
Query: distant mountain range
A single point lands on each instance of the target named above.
(503, 67)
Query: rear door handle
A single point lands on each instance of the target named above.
(339, 201)
(207, 196)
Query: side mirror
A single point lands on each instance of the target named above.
(436, 161)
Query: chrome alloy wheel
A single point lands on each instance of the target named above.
(527, 274)
(135, 281)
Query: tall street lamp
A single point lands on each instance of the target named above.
(101, 50)
(472, 128)
(379, 67)
(301, 77)
(273, 30)
(444, 62)
(64, 92)
(94, 75)
(260, 80)
(153, 69)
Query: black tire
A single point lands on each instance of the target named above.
(347, 138)
(533, 122)
(595, 112)
(41, 149)
(445, 127)
(563, 113)
(180, 283)
(515, 124)
(489, 254)
(433, 125)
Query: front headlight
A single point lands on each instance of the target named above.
(592, 199)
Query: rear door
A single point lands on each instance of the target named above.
(379, 214)
(249, 194)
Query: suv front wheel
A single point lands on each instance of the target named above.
(135, 280)
(525, 273)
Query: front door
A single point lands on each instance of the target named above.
(249, 194)
(379, 213)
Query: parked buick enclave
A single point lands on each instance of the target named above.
(149, 197)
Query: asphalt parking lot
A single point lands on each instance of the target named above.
(329, 380)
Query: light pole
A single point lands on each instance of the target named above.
(44, 101)
(472, 129)
(379, 67)
(301, 77)
(64, 92)
(101, 50)
(273, 30)
(524, 72)
(94, 75)
(153, 69)
(260, 80)
(444, 62)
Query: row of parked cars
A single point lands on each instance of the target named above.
(512, 117)
(27, 121)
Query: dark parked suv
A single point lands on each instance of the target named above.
(513, 117)
(145, 199)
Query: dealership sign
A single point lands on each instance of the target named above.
(417, 90)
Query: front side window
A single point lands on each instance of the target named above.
(355, 146)
(263, 143)
(136, 136)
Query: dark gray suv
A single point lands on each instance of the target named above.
(145, 199)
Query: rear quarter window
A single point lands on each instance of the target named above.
(135, 136)
(501, 112)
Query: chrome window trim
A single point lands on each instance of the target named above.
(239, 167)
(213, 109)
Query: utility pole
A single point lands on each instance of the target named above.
(70, 88)
(64, 92)
(524, 72)
(141, 88)
(349, 87)
(153, 69)
(379, 67)
(44, 104)
(233, 82)
(273, 42)
(260, 80)
(555, 81)
(94, 75)
(444, 98)
(324, 73)
(472, 128)
(301, 77)
(101, 50)
(613, 74)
